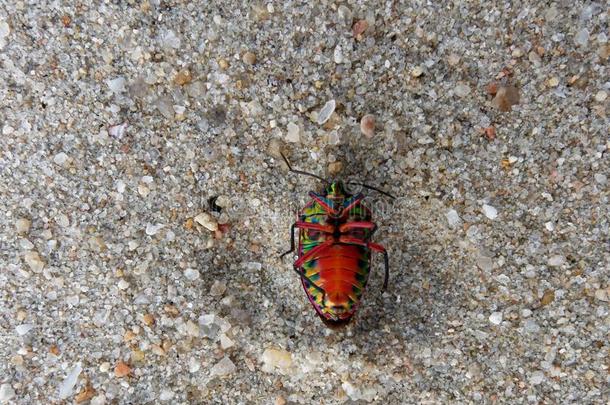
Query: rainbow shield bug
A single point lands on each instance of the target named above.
(334, 250)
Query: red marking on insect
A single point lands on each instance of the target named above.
(334, 250)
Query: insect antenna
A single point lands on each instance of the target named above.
(373, 188)
(301, 171)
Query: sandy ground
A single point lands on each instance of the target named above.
(121, 284)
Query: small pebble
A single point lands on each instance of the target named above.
(118, 131)
(218, 288)
(152, 229)
(116, 85)
(417, 71)
(123, 285)
(225, 342)
(192, 329)
(537, 377)
(338, 55)
(367, 125)
(60, 159)
(547, 297)
(148, 319)
(556, 260)
(191, 274)
(553, 81)
(98, 400)
(194, 365)
(249, 58)
(276, 359)
(326, 112)
(22, 226)
(183, 77)
(601, 96)
(293, 133)
(495, 318)
(122, 370)
(66, 388)
(24, 329)
(34, 261)
(207, 221)
(462, 90)
(335, 168)
(223, 368)
(359, 28)
(6, 393)
(582, 37)
(505, 98)
(485, 263)
(602, 294)
(490, 212)
(452, 218)
(166, 395)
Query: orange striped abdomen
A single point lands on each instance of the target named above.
(342, 272)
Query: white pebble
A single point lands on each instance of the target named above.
(207, 221)
(6, 393)
(152, 229)
(223, 367)
(98, 400)
(601, 96)
(123, 285)
(194, 365)
(326, 112)
(73, 300)
(192, 329)
(166, 395)
(60, 159)
(462, 90)
(67, 386)
(120, 186)
(495, 318)
(489, 211)
(485, 263)
(582, 37)
(26, 244)
(118, 131)
(24, 329)
(452, 217)
(556, 260)
(225, 342)
(602, 294)
(293, 133)
(22, 225)
(62, 220)
(34, 261)
(600, 178)
(537, 377)
(191, 274)
(218, 288)
(276, 359)
(116, 85)
(253, 266)
(338, 55)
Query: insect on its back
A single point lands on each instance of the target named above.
(334, 252)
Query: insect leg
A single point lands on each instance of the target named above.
(291, 241)
(386, 261)
(305, 225)
(310, 255)
(358, 225)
